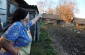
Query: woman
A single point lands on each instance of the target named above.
(17, 38)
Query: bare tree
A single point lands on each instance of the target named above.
(50, 11)
(45, 5)
(66, 9)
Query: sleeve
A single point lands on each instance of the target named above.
(29, 24)
(12, 33)
(33, 21)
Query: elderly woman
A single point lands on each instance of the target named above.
(17, 38)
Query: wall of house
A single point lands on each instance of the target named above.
(7, 7)
(44, 19)
(3, 11)
(79, 26)
(11, 7)
(53, 21)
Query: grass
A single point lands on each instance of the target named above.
(43, 46)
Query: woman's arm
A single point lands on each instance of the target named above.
(33, 21)
(7, 46)
(36, 19)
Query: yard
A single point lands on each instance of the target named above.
(44, 45)
(67, 41)
(60, 41)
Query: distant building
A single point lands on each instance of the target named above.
(51, 19)
(79, 23)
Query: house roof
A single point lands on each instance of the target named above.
(50, 16)
(79, 20)
(23, 4)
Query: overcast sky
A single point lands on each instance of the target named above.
(80, 5)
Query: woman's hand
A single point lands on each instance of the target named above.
(7, 46)
(38, 16)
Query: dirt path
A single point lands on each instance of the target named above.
(67, 41)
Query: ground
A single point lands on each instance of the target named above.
(67, 41)
(59, 40)
(43, 45)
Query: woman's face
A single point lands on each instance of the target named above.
(27, 17)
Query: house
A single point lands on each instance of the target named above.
(3, 13)
(7, 8)
(79, 23)
(51, 19)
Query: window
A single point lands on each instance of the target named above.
(12, 8)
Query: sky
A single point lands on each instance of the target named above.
(80, 5)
